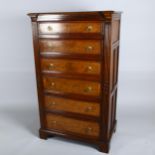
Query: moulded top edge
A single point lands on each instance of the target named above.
(96, 15)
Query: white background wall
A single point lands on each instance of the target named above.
(18, 100)
(16, 53)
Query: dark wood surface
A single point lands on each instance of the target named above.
(74, 106)
(77, 59)
(70, 46)
(71, 27)
(63, 123)
(70, 66)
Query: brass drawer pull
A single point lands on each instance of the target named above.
(49, 28)
(88, 130)
(53, 122)
(88, 109)
(51, 104)
(50, 44)
(89, 28)
(88, 89)
(89, 48)
(51, 66)
(89, 68)
(52, 84)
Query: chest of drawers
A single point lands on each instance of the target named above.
(76, 60)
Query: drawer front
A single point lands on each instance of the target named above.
(71, 86)
(72, 125)
(76, 27)
(68, 105)
(70, 46)
(70, 66)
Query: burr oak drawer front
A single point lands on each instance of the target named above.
(66, 124)
(71, 86)
(72, 27)
(70, 66)
(48, 46)
(70, 105)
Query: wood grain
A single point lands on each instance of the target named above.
(71, 86)
(115, 30)
(70, 46)
(72, 27)
(75, 106)
(72, 125)
(70, 66)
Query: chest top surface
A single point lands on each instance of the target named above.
(94, 15)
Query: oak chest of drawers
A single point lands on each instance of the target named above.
(76, 59)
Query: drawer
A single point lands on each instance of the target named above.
(71, 86)
(74, 27)
(68, 105)
(70, 66)
(70, 46)
(71, 125)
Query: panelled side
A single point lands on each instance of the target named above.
(114, 61)
(110, 74)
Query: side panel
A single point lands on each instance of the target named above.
(114, 61)
(110, 74)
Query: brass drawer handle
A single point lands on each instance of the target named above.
(89, 68)
(49, 28)
(53, 122)
(88, 109)
(88, 130)
(88, 89)
(89, 48)
(89, 28)
(52, 84)
(50, 44)
(51, 104)
(51, 66)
